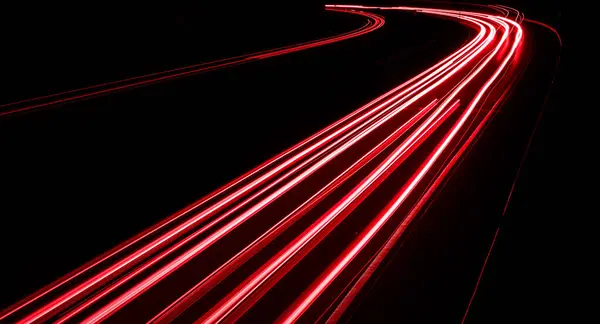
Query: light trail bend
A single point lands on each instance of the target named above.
(305, 230)
(373, 23)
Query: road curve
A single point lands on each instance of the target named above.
(297, 237)
(373, 23)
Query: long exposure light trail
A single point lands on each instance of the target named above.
(302, 202)
(395, 204)
(374, 22)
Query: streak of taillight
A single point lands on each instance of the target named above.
(334, 270)
(192, 69)
(379, 22)
(207, 283)
(320, 149)
(329, 220)
(232, 225)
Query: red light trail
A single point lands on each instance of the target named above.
(374, 22)
(259, 232)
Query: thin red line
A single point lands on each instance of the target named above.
(521, 163)
(481, 274)
(367, 28)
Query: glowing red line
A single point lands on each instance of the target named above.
(500, 9)
(198, 68)
(552, 29)
(171, 311)
(336, 214)
(181, 68)
(370, 118)
(112, 270)
(146, 284)
(365, 237)
(203, 245)
(377, 259)
(266, 164)
(118, 249)
(171, 235)
(295, 181)
(401, 228)
(156, 259)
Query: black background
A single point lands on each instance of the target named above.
(65, 203)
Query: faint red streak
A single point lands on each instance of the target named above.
(375, 22)
(462, 81)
